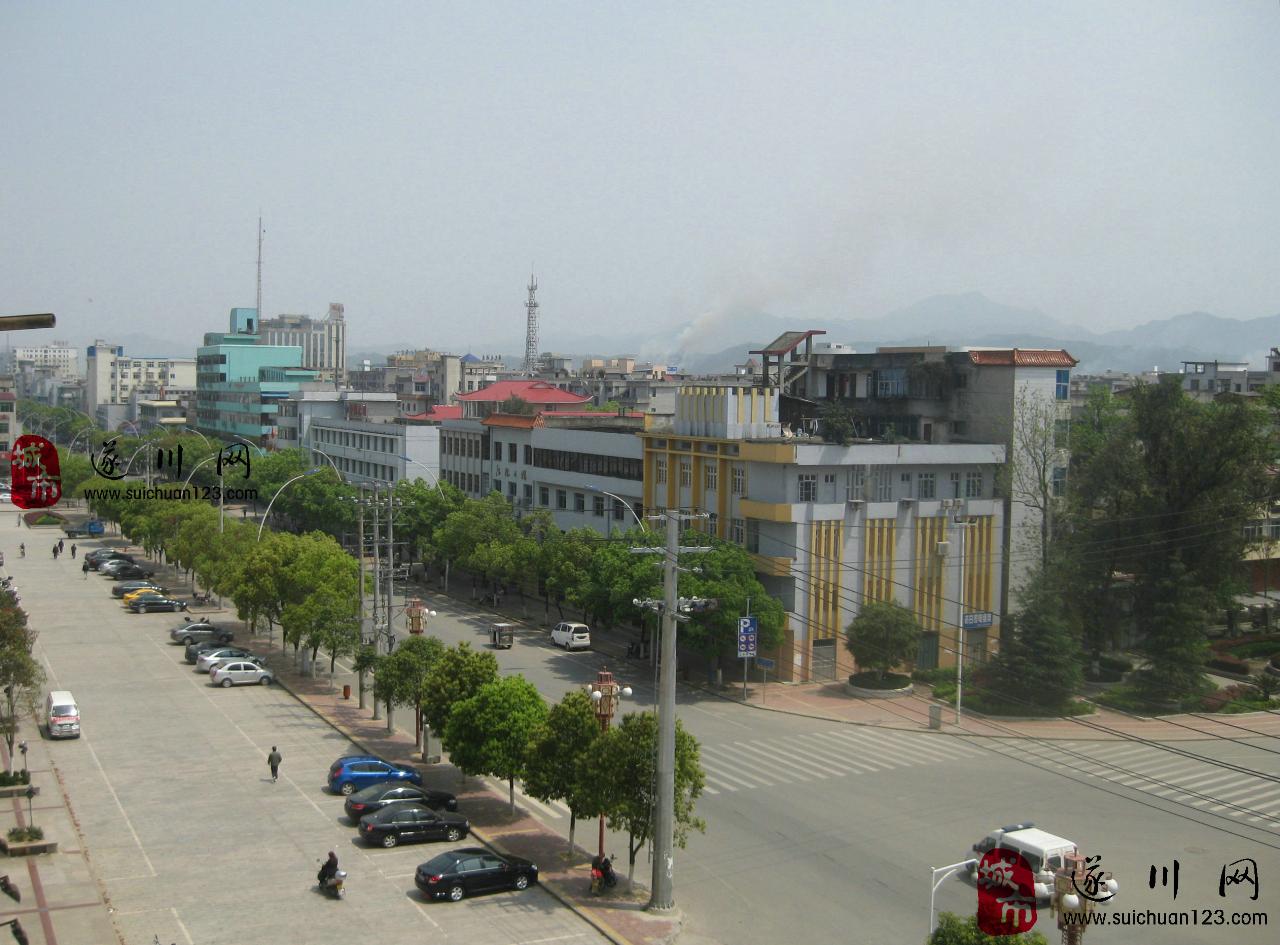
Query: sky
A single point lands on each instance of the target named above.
(660, 165)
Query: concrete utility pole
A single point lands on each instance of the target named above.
(360, 564)
(391, 570)
(377, 560)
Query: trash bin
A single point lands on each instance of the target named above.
(935, 716)
(346, 691)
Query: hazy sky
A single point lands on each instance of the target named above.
(1109, 163)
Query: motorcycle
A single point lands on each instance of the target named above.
(334, 885)
(602, 875)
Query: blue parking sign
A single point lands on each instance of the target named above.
(748, 629)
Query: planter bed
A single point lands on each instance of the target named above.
(15, 790)
(27, 847)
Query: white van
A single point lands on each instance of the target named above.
(62, 715)
(1044, 852)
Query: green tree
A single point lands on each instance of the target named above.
(883, 635)
(558, 755)
(1175, 644)
(489, 733)
(407, 671)
(623, 777)
(837, 423)
(728, 576)
(20, 673)
(457, 674)
(954, 930)
(517, 406)
(566, 563)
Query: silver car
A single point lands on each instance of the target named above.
(240, 672)
(207, 660)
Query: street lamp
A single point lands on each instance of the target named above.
(937, 881)
(197, 433)
(434, 475)
(618, 498)
(605, 693)
(222, 486)
(309, 472)
(331, 462)
(248, 442)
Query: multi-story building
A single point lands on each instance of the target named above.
(479, 372)
(59, 358)
(111, 377)
(323, 341)
(241, 382)
(369, 450)
(10, 426)
(831, 526)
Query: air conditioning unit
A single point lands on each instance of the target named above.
(943, 548)
(945, 504)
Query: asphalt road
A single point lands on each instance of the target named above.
(183, 826)
(818, 831)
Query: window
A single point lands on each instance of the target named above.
(597, 506)
(711, 476)
(660, 471)
(808, 487)
(713, 524)
(737, 530)
(959, 427)
(1062, 387)
(955, 485)
(1253, 531)
(528, 455)
(739, 484)
(973, 485)
(618, 510)
(1061, 434)
(1059, 481)
(497, 451)
(528, 495)
(686, 474)
(511, 490)
(513, 452)
(1273, 530)
(906, 487)
(883, 484)
(891, 382)
(579, 502)
(544, 496)
(562, 499)
(753, 536)
(856, 484)
(926, 485)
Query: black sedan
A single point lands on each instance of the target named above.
(411, 823)
(101, 556)
(149, 603)
(131, 572)
(378, 796)
(128, 587)
(470, 870)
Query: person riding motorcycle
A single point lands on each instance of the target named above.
(329, 870)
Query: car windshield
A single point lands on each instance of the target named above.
(64, 710)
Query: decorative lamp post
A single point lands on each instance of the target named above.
(605, 693)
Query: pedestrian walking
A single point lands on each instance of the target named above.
(60, 548)
(55, 552)
(84, 569)
(274, 760)
(73, 551)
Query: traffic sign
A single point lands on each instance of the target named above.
(748, 628)
(764, 663)
(977, 620)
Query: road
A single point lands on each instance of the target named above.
(183, 826)
(841, 824)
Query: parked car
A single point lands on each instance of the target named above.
(411, 823)
(149, 601)
(470, 870)
(110, 567)
(207, 660)
(100, 556)
(240, 673)
(143, 592)
(125, 588)
(350, 773)
(377, 796)
(200, 632)
(129, 572)
(572, 636)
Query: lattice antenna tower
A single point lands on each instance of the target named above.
(259, 301)
(531, 328)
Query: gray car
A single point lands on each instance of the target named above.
(207, 660)
(239, 673)
(189, 633)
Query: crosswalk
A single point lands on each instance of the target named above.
(1252, 799)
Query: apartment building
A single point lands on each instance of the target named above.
(111, 376)
(323, 341)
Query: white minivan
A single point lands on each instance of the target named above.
(571, 636)
(62, 715)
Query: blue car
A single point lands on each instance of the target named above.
(350, 773)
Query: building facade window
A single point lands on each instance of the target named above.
(619, 510)
(579, 502)
(713, 524)
(856, 483)
(597, 506)
(739, 485)
(511, 490)
(753, 536)
(528, 495)
(660, 471)
(1058, 483)
(883, 484)
(927, 485)
(808, 483)
(1062, 385)
(512, 452)
(737, 530)
(973, 485)
(954, 479)
(562, 499)
(710, 477)
(544, 496)
(528, 455)
(906, 487)
(497, 451)
(686, 474)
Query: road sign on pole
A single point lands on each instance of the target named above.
(978, 619)
(748, 628)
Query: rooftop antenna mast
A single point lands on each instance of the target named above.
(531, 328)
(260, 232)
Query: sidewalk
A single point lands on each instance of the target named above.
(620, 917)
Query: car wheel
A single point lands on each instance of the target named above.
(182, 607)
(264, 681)
(226, 683)
(522, 881)
(348, 789)
(453, 835)
(187, 641)
(142, 608)
(456, 893)
(390, 840)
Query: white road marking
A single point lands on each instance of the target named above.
(115, 797)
